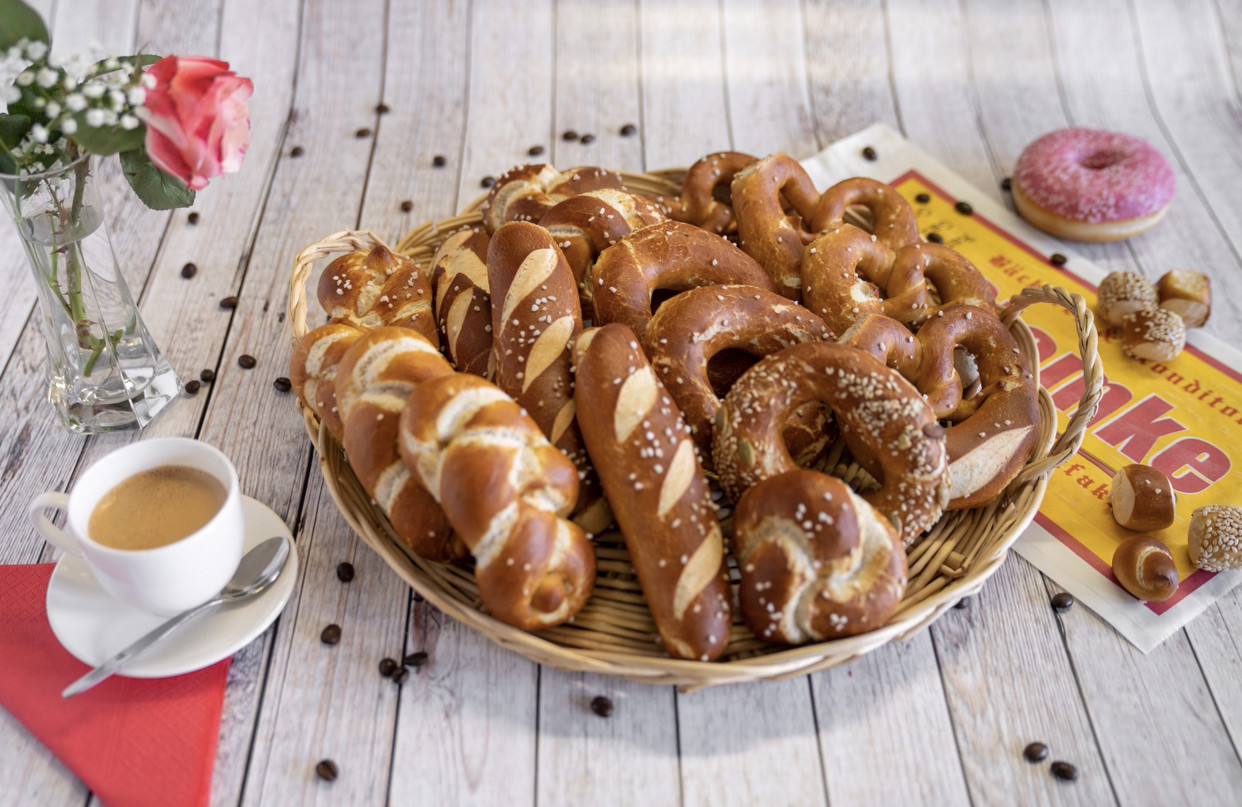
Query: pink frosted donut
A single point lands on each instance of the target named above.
(1092, 185)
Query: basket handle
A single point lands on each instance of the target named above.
(340, 242)
(1092, 367)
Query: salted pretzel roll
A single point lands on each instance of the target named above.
(528, 192)
(698, 204)
(761, 193)
(506, 490)
(535, 318)
(585, 225)
(993, 430)
(696, 326)
(371, 289)
(887, 426)
(463, 301)
(892, 219)
(374, 377)
(817, 562)
(672, 256)
(313, 367)
(651, 474)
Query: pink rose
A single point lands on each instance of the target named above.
(198, 126)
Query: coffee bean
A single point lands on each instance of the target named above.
(1007, 184)
(207, 376)
(1035, 752)
(569, 134)
(331, 634)
(601, 705)
(407, 206)
(400, 676)
(869, 153)
(628, 130)
(935, 238)
(963, 603)
(1062, 601)
(964, 208)
(923, 198)
(1058, 259)
(1064, 771)
(192, 218)
(487, 181)
(387, 667)
(535, 151)
(417, 597)
(282, 384)
(382, 109)
(189, 270)
(344, 571)
(326, 770)
(439, 161)
(586, 139)
(229, 302)
(296, 151)
(191, 387)
(247, 361)
(416, 659)
(363, 132)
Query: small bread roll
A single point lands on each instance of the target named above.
(1156, 334)
(1142, 498)
(1187, 294)
(1216, 537)
(1123, 293)
(1144, 567)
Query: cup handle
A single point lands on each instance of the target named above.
(54, 535)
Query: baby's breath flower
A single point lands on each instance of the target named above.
(39, 133)
(130, 122)
(53, 109)
(25, 79)
(69, 126)
(93, 89)
(47, 78)
(137, 96)
(35, 50)
(96, 117)
(76, 102)
(11, 95)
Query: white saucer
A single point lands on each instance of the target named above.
(93, 625)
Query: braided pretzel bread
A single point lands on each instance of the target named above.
(698, 204)
(506, 491)
(892, 219)
(694, 327)
(528, 192)
(672, 256)
(848, 273)
(888, 427)
(993, 431)
(535, 318)
(817, 561)
(313, 367)
(585, 225)
(652, 475)
(463, 301)
(373, 379)
(371, 289)
(761, 192)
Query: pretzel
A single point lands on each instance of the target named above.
(535, 318)
(817, 562)
(506, 491)
(887, 426)
(992, 432)
(375, 288)
(696, 326)
(313, 367)
(585, 225)
(528, 192)
(648, 465)
(774, 238)
(672, 256)
(697, 204)
(464, 302)
(892, 219)
(848, 273)
(373, 379)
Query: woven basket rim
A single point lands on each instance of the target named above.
(953, 564)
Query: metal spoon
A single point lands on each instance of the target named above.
(258, 569)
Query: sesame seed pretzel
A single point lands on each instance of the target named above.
(776, 239)
(892, 218)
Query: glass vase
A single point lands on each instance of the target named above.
(104, 371)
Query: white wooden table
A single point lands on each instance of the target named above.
(940, 719)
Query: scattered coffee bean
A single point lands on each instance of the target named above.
(229, 302)
(417, 659)
(400, 676)
(963, 603)
(569, 134)
(296, 151)
(363, 132)
(247, 361)
(535, 151)
(1062, 601)
(601, 705)
(629, 130)
(487, 181)
(207, 376)
(387, 667)
(189, 270)
(191, 387)
(923, 198)
(935, 238)
(1064, 771)
(417, 597)
(382, 109)
(331, 634)
(439, 161)
(964, 208)
(344, 571)
(192, 218)
(407, 206)
(869, 153)
(282, 384)
(326, 770)
(586, 139)
(1058, 259)
(1007, 184)
(1035, 752)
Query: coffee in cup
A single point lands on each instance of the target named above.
(175, 501)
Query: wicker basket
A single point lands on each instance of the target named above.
(614, 634)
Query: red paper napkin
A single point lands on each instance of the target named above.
(132, 741)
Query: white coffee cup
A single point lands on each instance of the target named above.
(164, 580)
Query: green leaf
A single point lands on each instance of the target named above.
(157, 190)
(19, 21)
(12, 129)
(106, 140)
